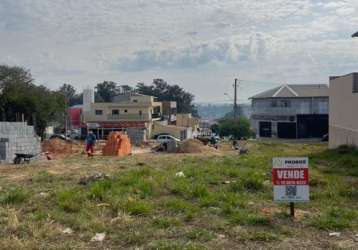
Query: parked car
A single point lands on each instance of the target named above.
(75, 134)
(166, 138)
(59, 136)
(157, 135)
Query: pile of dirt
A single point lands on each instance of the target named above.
(57, 146)
(192, 146)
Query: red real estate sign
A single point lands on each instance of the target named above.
(290, 179)
(288, 176)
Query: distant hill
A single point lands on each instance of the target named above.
(212, 112)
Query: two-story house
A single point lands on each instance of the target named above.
(343, 113)
(291, 111)
(131, 111)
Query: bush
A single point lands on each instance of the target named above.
(237, 128)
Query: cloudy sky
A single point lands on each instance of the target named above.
(201, 45)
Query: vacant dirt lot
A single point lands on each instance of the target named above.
(210, 200)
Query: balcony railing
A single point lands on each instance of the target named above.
(288, 110)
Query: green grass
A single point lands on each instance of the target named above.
(70, 200)
(147, 206)
(165, 222)
(336, 219)
(13, 195)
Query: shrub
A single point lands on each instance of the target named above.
(237, 128)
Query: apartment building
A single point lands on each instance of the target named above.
(291, 111)
(128, 111)
(343, 110)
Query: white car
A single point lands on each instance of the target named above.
(166, 138)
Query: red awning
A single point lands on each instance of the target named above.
(120, 125)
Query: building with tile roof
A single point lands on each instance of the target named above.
(291, 111)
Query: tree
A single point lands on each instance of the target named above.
(21, 98)
(105, 91)
(77, 99)
(68, 91)
(165, 92)
(236, 128)
(215, 128)
(126, 89)
(70, 95)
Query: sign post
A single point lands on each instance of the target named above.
(290, 178)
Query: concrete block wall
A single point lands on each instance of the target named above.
(136, 135)
(17, 137)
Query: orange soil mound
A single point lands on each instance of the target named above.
(192, 146)
(57, 146)
(118, 144)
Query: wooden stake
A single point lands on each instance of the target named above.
(292, 208)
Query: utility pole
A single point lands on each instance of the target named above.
(235, 99)
(65, 116)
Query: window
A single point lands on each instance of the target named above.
(135, 100)
(140, 112)
(99, 112)
(355, 83)
(125, 111)
(285, 104)
(115, 112)
(274, 103)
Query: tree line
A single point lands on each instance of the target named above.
(22, 99)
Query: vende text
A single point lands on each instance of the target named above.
(289, 176)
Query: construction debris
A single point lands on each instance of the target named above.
(92, 178)
(118, 144)
(335, 234)
(99, 237)
(180, 174)
(44, 194)
(67, 231)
